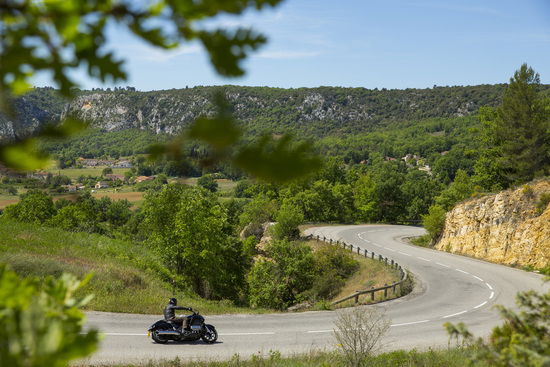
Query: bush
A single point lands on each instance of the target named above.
(434, 222)
(35, 207)
(543, 203)
(208, 182)
(279, 281)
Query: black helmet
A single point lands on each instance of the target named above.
(173, 301)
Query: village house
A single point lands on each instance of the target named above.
(70, 188)
(101, 185)
(122, 164)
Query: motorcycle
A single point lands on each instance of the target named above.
(163, 331)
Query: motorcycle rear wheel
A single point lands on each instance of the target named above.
(211, 335)
(158, 340)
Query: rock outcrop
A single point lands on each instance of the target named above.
(511, 227)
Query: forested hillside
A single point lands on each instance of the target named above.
(313, 112)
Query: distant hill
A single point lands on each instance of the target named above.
(314, 112)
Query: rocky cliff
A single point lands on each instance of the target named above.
(511, 227)
(315, 111)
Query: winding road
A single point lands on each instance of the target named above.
(448, 288)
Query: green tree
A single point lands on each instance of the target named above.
(460, 189)
(288, 218)
(40, 323)
(188, 228)
(434, 222)
(517, 134)
(106, 171)
(208, 182)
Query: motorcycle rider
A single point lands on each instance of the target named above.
(170, 313)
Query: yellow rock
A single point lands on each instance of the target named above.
(502, 228)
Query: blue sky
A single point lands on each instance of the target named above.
(363, 43)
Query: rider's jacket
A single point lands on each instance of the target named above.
(170, 311)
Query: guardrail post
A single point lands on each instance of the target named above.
(324, 238)
(380, 257)
(344, 245)
(351, 248)
(372, 255)
(357, 298)
(358, 249)
(392, 263)
(372, 294)
(386, 260)
(385, 291)
(394, 286)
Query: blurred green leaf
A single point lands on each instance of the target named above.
(219, 131)
(23, 156)
(278, 160)
(40, 324)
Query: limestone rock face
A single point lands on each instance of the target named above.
(504, 228)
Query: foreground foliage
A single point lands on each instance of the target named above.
(40, 322)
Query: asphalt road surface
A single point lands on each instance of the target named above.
(448, 288)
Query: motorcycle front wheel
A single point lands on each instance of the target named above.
(156, 338)
(210, 335)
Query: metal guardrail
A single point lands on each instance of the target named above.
(389, 262)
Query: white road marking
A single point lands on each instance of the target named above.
(404, 253)
(445, 266)
(489, 286)
(421, 258)
(492, 295)
(454, 314)
(462, 271)
(375, 244)
(319, 331)
(237, 334)
(481, 304)
(387, 248)
(411, 323)
(478, 278)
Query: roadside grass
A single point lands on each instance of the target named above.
(422, 241)
(126, 276)
(456, 357)
(371, 274)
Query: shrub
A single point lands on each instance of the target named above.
(279, 281)
(208, 182)
(542, 204)
(434, 222)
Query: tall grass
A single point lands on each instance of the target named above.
(430, 358)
